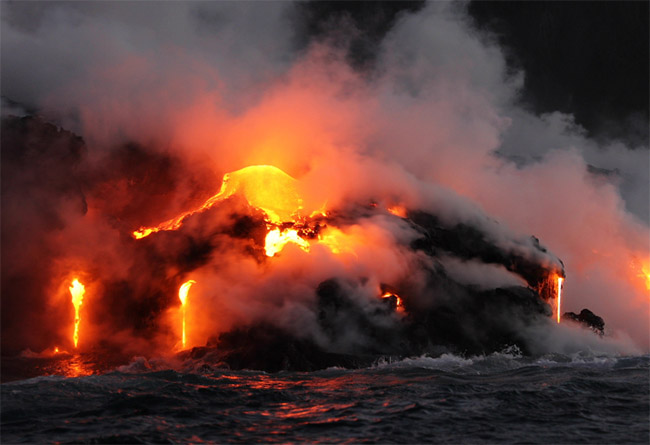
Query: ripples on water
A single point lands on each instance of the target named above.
(498, 398)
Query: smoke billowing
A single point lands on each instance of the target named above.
(167, 103)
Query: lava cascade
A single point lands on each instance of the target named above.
(182, 295)
(77, 290)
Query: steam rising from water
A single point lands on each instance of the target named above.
(434, 126)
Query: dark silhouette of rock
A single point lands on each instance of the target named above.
(588, 318)
(269, 348)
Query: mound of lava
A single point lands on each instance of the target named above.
(62, 210)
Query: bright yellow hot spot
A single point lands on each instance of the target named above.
(182, 295)
(77, 291)
(276, 240)
(264, 186)
(184, 289)
(560, 280)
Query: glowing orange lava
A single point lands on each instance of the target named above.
(77, 290)
(560, 280)
(264, 186)
(182, 295)
(398, 300)
(276, 240)
(397, 210)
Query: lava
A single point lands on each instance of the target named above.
(398, 210)
(77, 290)
(560, 280)
(399, 304)
(270, 190)
(264, 186)
(276, 240)
(182, 295)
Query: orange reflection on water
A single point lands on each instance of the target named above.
(74, 366)
(77, 368)
(290, 410)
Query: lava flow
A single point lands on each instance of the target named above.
(276, 240)
(399, 304)
(264, 186)
(77, 290)
(182, 295)
(560, 280)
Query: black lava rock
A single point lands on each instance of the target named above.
(588, 318)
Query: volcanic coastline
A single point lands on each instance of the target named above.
(434, 314)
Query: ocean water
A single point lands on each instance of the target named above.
(497, 398)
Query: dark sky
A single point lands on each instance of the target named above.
(590, 59)
(586, 58)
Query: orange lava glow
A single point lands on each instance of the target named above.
(272, 191)
(77, 290)
(560, 280)
(264, 186)
(182, 295)
(640, 273)
(276, 240)
(645, 274)
(335, 240)
(397, 211)
(399, 302)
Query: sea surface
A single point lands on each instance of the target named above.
(501, 398)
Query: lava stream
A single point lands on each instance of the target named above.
(264, 186)
(276, 240)
(77, 290)
(182, 295)
(560, 280)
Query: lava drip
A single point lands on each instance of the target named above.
(182, 295)
(77, 291)
(560, 280)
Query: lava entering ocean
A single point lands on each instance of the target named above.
(77, 291)
(182, 295)
(287, 268)
(276, 195)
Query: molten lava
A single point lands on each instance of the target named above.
(399, 305)
(560, 280)
(265, 187)
(77, 290)
(276, 240)
(272, 191)
(398, 211)
(182, 295)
